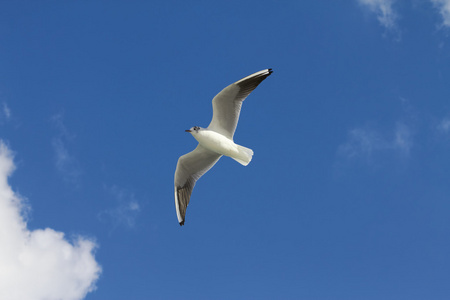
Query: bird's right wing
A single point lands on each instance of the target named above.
(190, 168)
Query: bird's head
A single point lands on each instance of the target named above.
(193, 130)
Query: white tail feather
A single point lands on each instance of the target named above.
(244, 156)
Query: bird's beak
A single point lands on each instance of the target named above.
(187, 130)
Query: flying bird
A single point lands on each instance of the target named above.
(215, 140)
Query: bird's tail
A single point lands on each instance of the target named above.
(244, 155)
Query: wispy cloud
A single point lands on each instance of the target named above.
(369, 144)
(402, 139)
(5, 113)
(444, 9)
(383, 10)
(441, 128)
(361, 144)
(39, 264)
(366, 143)
(444, 125)
(125, 210)
(65, 163)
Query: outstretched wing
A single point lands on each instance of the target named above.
(190, 168)
(227, 104)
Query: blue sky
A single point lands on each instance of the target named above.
(347, 195)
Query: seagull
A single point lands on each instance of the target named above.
(215, 140)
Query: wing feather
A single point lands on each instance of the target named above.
(190, 168)
(227, 104)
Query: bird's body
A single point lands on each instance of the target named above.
(215, 140)
(220, 144)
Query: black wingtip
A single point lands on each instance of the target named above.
(270, 71)
(182, 223)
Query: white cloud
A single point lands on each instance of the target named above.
(444, 9)
(39, 264)
(384, 11)
(126, 210)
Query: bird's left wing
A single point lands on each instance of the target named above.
(190, 168)
(227, 104)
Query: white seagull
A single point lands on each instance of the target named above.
(215, 140)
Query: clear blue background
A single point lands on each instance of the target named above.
(348, 193)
